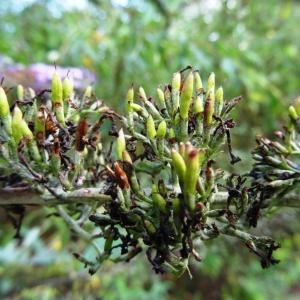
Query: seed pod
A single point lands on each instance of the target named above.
(179, 164)
(121, 144)
(81, 132)
(158, 200)
(151, 131)
(20, 92)
(176, 82)
(186, 96)
(68, 88)
(219, 101)
(57, 98)
(161, 130)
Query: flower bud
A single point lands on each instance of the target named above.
(186, 96)
(176, 82)
(88, 92)
(57, 98)
(4, 106)
(20, 92)
(198, 105)
(211, 82)
(129, 99)
(178, 164)
(198, 82)
(126, 156)
(67, 88)
(121, 144)
(293, 114)
(219, 100)
(142, 94)
(40, 125)
(208, 111)
(192, 175)
(20, 128)
(158, 200)
(161, 130)
(149, 227)
(151, 131)
(160, 99)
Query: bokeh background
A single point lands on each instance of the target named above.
(254, 49)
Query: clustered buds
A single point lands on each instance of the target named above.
(156, 177)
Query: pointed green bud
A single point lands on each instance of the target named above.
(150, 227)
(293, 114)
(57, 93)
(198, 105)
(178, 164)
(208, 111)
(192, 175)
(186, 96)
(88, 92)
(219, 99)
(297, 105)
(161, 130)
(158, 200)
(20, 128)
(142, 94)
(31, 93)
(57, 98)
(172, 134)
(198, 82)
(161, 99)
(176, 81)
(4, 106)
(40, 125)
(151, 131)
(121, 144)
(20, 92)
(211, 82)
(126, 156)
(129, 99)
(68, 88)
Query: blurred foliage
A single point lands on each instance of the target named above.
(252, 46)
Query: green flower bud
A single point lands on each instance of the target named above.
(4, 106)
(57, 98)
(178, 164)
(20, 92)
(68, 88)
(142, 94)
(192, 175)
(20, 128)
(172, 134)
(126, 156)
(176, 82)
(293, 114)
(88, 92)
(39, 125)
(161, 99)
(151, 131)
(149, 227)
(121, 144)
(129, 99)
(208, 111)
(198, 82)
(211, 82)
(31, 93)
(161, 130)
(186, 96)
(219, 100)
(198, 105)
(158, 200)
